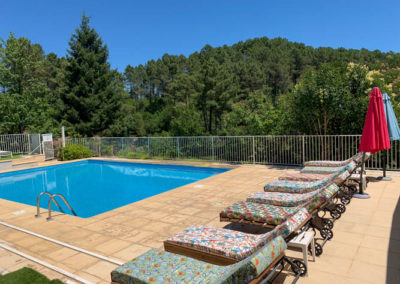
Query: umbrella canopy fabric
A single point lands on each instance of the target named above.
(375, 136)
(391, 120)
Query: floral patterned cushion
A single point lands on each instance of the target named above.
(358, 157)
(296, 186)
(225, 242)
(272, 214)
(281, 198)
(292, 224)
(310, 200)
(315, 177)
(329, 170)
(327, 163)
(156, 266)
(321, 198)
(259, 212)
(302, 177)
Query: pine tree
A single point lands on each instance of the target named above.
(92, 97)
(24, 100)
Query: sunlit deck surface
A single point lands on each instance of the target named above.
(365, 247)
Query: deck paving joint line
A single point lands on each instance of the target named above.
(45, 264)
(62, 244)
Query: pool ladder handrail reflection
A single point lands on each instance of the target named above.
(52, 198)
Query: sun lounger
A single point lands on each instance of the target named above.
(269, 215)
(329, 170)
(356, 158)
(337, 177)
(156, 266)
(224, 246)
(5, 154)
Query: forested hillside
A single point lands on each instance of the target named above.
(257, 87)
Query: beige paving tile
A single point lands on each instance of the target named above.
(383, 232)
(362, 237)
(79, 261)
(370, 273)
(101, 270)
(379, 257)
(381, 243)
(88, 277)
(112, 246)
(347, 238)
(350, 227)
(318, 277)
(131, 252)
(340, 250)
(61, 254)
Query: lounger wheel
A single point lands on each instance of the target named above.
(326, 233)
(335, 214)
(352, 189)
(317, 247)
(345, 200)
(299, 267)
(328, 224)
(341, 208)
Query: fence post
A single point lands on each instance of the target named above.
(148, 146)
(254, 152)
(212, 148)
(99, 145)
(40, 146)
(122, 144)
(63, 136)
(303, 149)
(177, 147)
(29, 144)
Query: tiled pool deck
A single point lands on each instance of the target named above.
(365, 247)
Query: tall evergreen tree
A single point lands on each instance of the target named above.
(92, 97)
(25, 99)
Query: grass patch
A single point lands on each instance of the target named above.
(15, 156)
(26, 276)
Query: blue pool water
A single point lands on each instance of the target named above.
(93, 187)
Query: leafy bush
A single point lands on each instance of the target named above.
(72, 152)
(137, 155)
(132, 155)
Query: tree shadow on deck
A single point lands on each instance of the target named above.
(393, 254)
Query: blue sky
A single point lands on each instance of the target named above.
(137, 31)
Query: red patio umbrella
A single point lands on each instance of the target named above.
(375, 136)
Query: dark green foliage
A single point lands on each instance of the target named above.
(257, 87)
(26, 276)
(25, 98)
(93, 92)
(260, 86)
(73, 152)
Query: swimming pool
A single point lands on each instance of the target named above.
(93, 186)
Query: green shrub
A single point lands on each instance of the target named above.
(132, 155)
(72, 152)
(136, 155)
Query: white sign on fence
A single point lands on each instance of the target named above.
(47, 137)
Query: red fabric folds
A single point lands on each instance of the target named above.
(375, 136)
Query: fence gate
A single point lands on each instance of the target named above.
(48, 149)
(34, 143)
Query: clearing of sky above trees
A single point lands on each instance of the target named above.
(257, 87)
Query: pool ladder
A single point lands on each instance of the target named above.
(52, 198)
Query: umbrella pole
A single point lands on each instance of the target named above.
(361, 194)
(384, 161)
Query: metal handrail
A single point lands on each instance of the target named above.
(65, 201)
(37, 203)
(52, 198)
